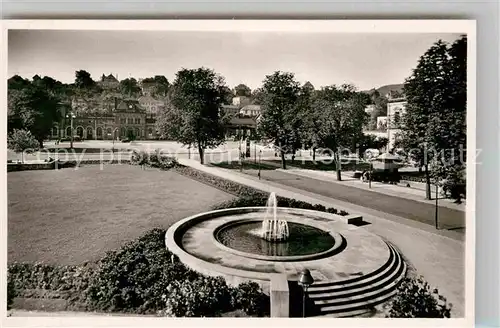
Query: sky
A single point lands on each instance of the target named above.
(365, 60)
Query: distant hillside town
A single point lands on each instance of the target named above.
(117, 111)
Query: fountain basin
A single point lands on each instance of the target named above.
(306, 241)
(360, 263)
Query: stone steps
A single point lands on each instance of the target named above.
(356, 296)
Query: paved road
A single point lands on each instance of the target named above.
(407, 208)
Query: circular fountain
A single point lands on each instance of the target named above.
(351, 266)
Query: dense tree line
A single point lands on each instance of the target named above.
(434, 126)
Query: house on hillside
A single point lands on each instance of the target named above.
(250, 110)
(241, 101)
(109, 82)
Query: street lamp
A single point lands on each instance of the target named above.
(370, 175)
(305, 281)
(71, 116)
(260, 159)
(436, 209)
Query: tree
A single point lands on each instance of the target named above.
(193, 114)
(380, 109)
(434, 122)
(16, 82)
(414, 299)
(227, 95)
(22, 141)
(448, 127)
(242, 90)
(35, 109)
(371, 142)
(83, 80)
(256, 97)
(130, 87)
(279, 120)
(162, 85)
(311, 119)
(341, 120)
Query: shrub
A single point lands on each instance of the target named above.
(205, 296)
(134, 278)
(414, 299)
(249, 297)
(139, 158)
(164, 162)
(11, 292)
(154, 159)
(141, 277)
(22, 141)
(261, 200)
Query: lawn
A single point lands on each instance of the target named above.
(71, 216)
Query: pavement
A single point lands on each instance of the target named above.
(438, 255)
(416, 194)
(448, 218)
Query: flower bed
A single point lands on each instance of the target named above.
(142, 277)
(154, 159)
(248, 196)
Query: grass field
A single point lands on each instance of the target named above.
(72, 216)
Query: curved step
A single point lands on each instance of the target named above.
(352, 297)
(362, 281)
(365, 296)
(344, 282)
(387, 279)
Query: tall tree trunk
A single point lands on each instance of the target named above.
(283, 160)
(314, 155)
(201, 151)
(427, 182)
(22, 157)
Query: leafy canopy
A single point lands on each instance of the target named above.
(193, 113)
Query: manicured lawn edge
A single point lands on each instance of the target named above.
(248, 196)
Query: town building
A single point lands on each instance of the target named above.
(111, 115)
(382, 123)
(396, 108)
(109, 82)
(250, 110)
(241, 101)
(389, 126)
(369, 109)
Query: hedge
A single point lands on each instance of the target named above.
(142, 277)
(248, 196)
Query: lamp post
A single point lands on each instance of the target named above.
(71, 116)
(255, 152)
(240, 153)
(305, 281)
(370, 175)
(436, 209)
(113, 137)
(260, 159)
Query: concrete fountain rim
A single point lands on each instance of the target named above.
(338, 242)
(173, 239)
